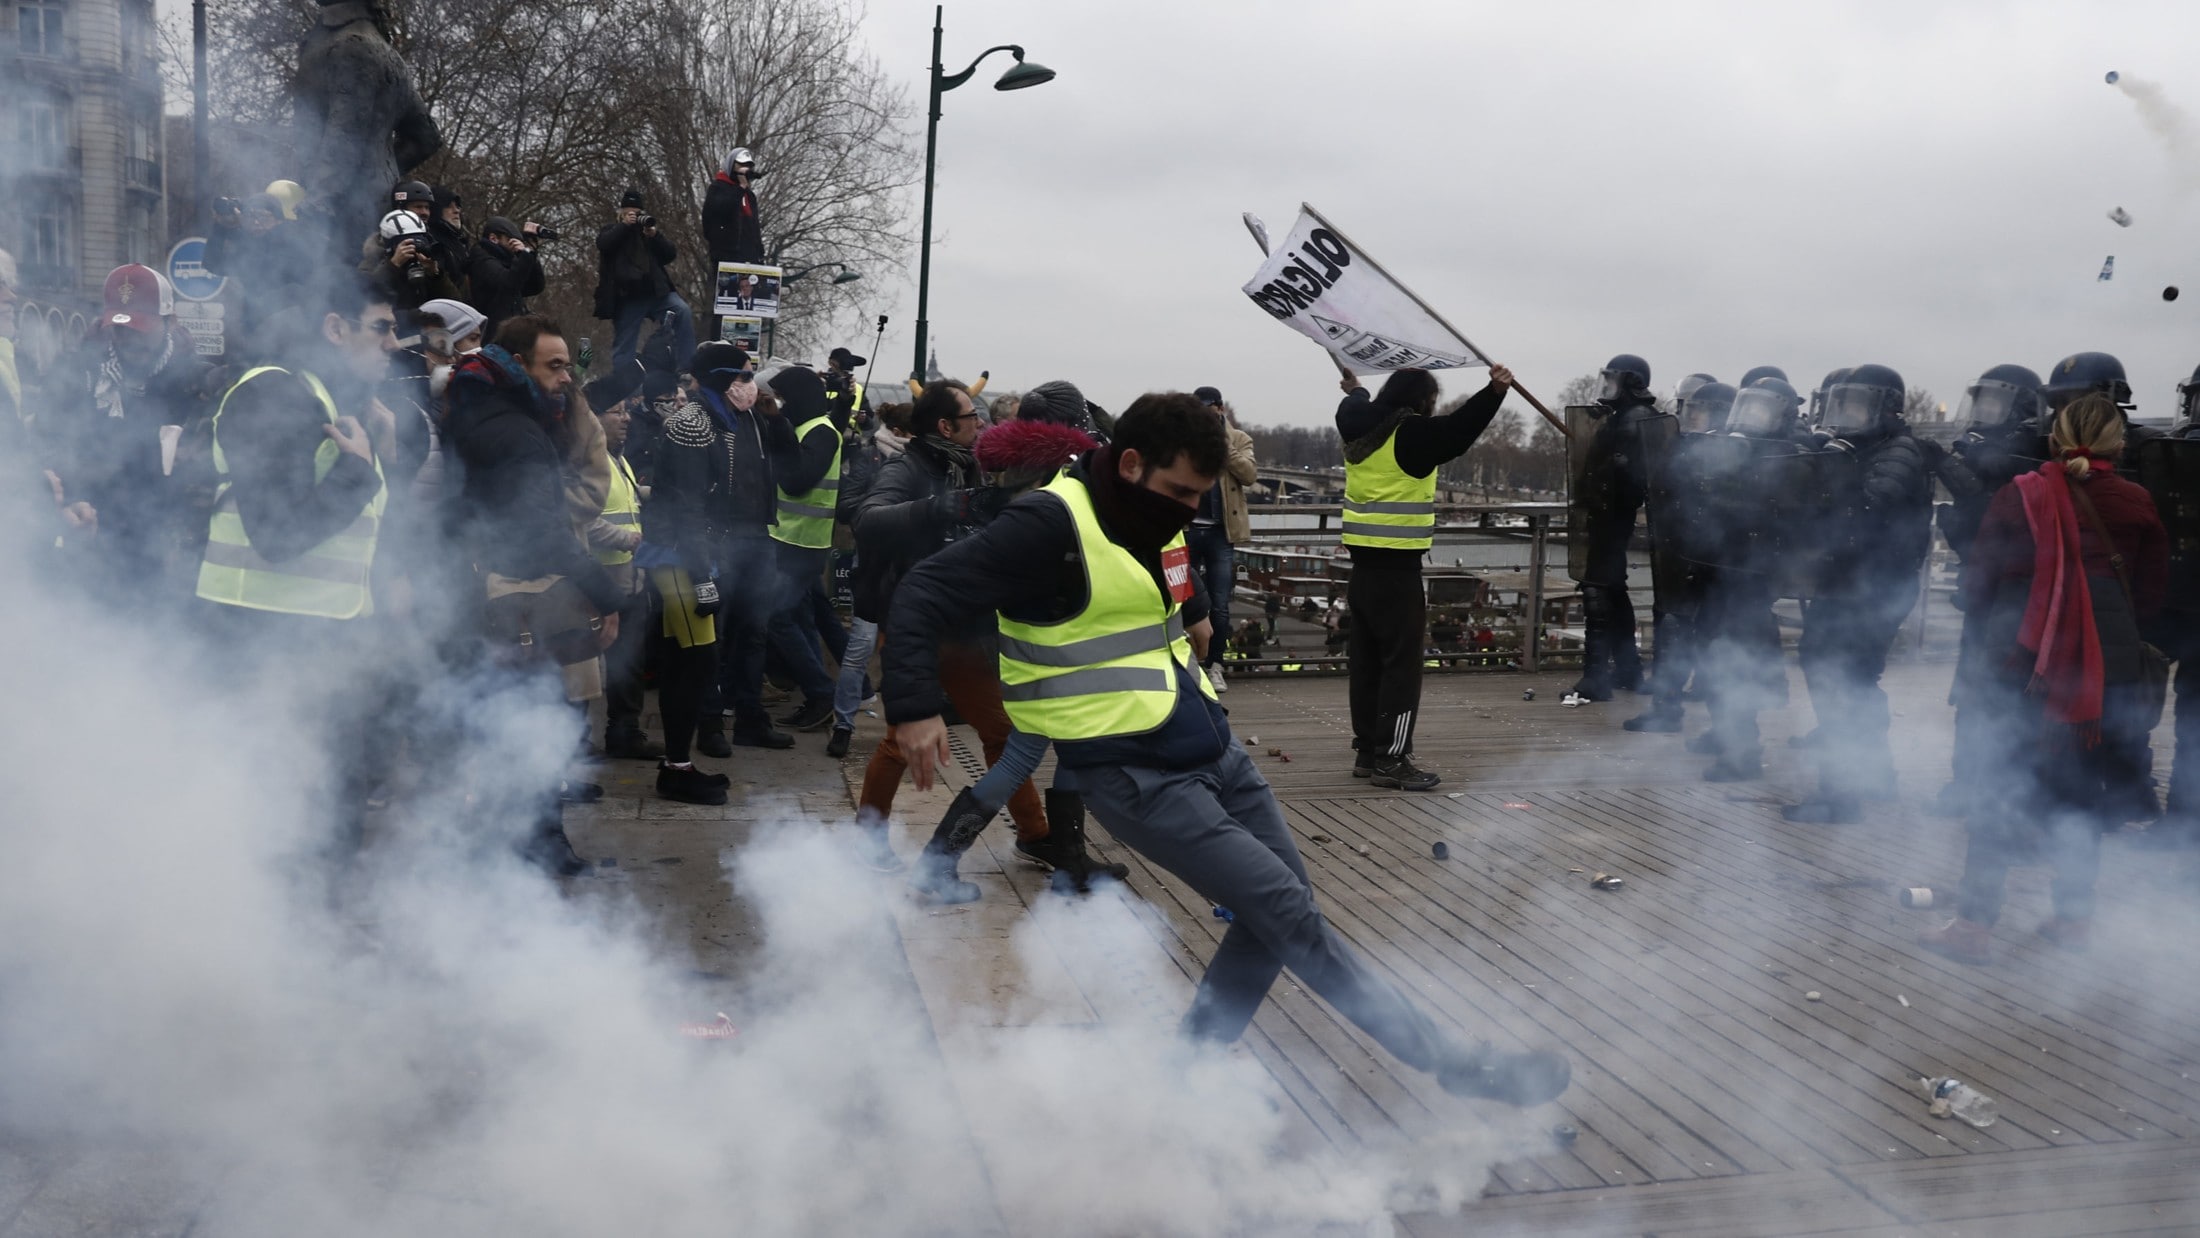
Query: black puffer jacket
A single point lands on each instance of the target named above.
(513, 512)
(630, 266)
(901, 522)
(713, 479)
(1895, 516)
(731, 226)
(499, 283)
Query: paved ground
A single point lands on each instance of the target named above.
(1712, 1096)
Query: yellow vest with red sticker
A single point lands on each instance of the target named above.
(1112, 668)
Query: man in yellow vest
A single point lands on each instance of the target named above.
(290, 547)
(808, 501)
(1101, 621)
(1393, 445)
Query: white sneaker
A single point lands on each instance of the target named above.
(1573, 700)
(1214, 676)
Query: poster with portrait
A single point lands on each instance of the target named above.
(747, 330)
(747, 288)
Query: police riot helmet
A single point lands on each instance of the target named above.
(1818, 397)
(1864, 404)
(1704, 409)
(2084, 373)
(1689, 385)
(1764, 409)
(2003, 398)
(1763, 371)
(2188, 396)
(1625, 376)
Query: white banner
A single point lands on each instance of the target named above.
(1329, 290)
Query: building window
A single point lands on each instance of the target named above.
(49, 238)
(38, 29)
(43, 129)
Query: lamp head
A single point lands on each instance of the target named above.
(847, 277)
(1023, 73)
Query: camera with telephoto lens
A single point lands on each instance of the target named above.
(544, 232)
(706, 597)
(647, 221)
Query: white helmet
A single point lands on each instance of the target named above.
(402, 223)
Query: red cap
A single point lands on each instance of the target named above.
(137, 297)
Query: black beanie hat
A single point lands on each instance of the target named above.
(801, 392)
(632, 197)
(716, 362)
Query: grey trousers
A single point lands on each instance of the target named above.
(1218, 829)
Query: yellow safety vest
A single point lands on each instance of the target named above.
(833, 396)
(1386, 506)
(329, 580)
(622, 507)
(807, 519)
(1110, 669)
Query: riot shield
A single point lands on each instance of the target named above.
(1581, 438)
(1812, 501)
(1715, 516)
(2170, 470)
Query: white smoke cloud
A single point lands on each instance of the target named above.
(462, 1048)
(2170, 124)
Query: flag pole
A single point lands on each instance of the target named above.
(1558, 422)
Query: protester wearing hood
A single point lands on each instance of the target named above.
(2070, 563)
(447, 232)
(732, 229)
(502, 272)
(808, 478)
(923, 500)
(633, 282)
(117, 418)
(1393, 445)
(714, 501)
(1089, 582)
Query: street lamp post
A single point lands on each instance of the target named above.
(1024, 73)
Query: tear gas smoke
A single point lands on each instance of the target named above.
(461, 1049)
(2170, 124)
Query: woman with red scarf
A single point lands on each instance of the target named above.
(2060, 629)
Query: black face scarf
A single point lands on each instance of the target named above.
(1142, 520)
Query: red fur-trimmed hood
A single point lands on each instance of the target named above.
(1030, 446)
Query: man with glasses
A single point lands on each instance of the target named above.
(297, 516)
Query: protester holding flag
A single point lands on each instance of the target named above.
(1393, 445)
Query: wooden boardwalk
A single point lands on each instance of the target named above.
(1711, 1095)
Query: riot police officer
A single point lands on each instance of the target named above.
(2130, 757)
(1756, 372)
(1613, 468)
(1678, 584)
(2169, 467)
(1999, 439)
(1818, 397)
(1750, 473)
(1869, 584)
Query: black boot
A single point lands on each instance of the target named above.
(548, 849)
(934, 880)
(1063, 849)
(710, 739)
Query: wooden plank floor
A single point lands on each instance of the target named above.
(1711, 1096)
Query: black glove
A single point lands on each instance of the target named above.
(953, 507)
(989, 501)
(706, 596)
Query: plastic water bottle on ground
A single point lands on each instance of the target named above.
(1957, 1099)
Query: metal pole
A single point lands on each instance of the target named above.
(1529, 650)
(198, 113)
(931, 145)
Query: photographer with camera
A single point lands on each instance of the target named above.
(632, 281)
(505, 271)
(402, 258)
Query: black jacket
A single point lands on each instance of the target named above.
(1892, 514)
(1425, 444)
(1025, 565)
(714, 479)
(903, 520)
(499, 283)
(513, 509)
(103, 437)
(630, 266)
(802, 399)
(731, 226)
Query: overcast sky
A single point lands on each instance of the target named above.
(1921, 184)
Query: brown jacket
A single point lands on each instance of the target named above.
(1241, 471)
